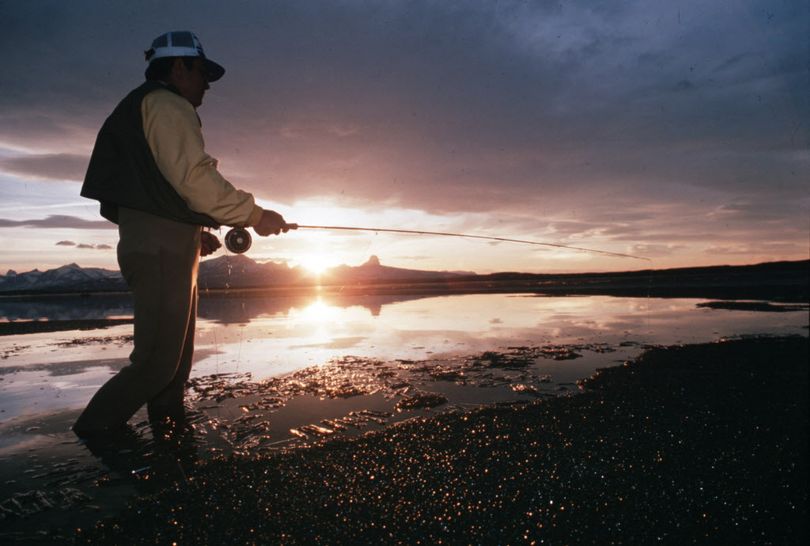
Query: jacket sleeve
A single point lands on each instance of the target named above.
(172, 130)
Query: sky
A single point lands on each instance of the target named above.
(674, 130)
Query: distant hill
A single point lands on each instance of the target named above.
(232, 271)
(787, 281)
(783, 281)
(374, 271)
(239, 271)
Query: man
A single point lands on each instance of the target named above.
(150, 172)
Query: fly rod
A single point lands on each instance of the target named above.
(238, 240)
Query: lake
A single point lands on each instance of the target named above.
(277, 372)
(266, 336)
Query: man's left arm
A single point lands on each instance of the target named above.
(173, 132)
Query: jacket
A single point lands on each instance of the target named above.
(149, 156)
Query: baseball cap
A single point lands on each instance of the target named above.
(182, 43)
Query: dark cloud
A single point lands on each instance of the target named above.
(103, 247)
(570, 116)
(65, 243)
(47, 166)
(84, 246)
(59, 221)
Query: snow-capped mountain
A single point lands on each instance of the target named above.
(68, 278)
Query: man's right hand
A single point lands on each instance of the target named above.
(271, 222)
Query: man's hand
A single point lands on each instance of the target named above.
(208, 243)
(271, 222)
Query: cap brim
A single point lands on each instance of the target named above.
(214, 70)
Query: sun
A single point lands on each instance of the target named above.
(316, 264)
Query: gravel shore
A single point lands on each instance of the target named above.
(693, 444)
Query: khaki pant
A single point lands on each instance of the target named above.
(159, 259)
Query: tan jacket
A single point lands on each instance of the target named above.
(173, 132)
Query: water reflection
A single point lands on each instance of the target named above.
(221, 307)
(315, 331)
(241, 308)
(65, 307)
(266, 336)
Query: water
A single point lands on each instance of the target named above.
(271, 336)
(293, 366)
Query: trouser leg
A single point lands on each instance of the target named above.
(159, 260)
(168, 403)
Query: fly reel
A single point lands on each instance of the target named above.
(238, 240)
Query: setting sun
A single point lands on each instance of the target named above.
(316, 263)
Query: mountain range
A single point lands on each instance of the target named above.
(780, 281)
(232, 271)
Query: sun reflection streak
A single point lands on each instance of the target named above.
(316, 325)
(317, 312)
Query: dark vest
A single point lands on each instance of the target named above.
(123, 172)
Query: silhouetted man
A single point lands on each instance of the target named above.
(150, 172)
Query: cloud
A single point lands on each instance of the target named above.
(656, 250)
(413, 258)
(571, 117)
(772, 248)
(85, 246)
(47, 166)
(440, 106)
(748, 211)
(58, 221)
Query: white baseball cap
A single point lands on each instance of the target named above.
(182, 43)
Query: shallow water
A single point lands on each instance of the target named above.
(273, 371)
(272, 336)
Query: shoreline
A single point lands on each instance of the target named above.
(23, 327)
(701, 443)
(746, 302)
(775, 281)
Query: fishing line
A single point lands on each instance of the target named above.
(213, 330)
(243, 241)
(240, 238)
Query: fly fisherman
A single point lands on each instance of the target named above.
(150, 172)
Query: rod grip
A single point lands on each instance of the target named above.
(292, 226)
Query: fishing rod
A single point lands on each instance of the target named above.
(238, 240)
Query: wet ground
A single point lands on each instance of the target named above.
(36, 326)
(693, 444)
(353, 394)
(62, 480)
(688, 445)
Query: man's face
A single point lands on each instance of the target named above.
(191, 82)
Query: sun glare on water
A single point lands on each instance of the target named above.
(317, 312)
